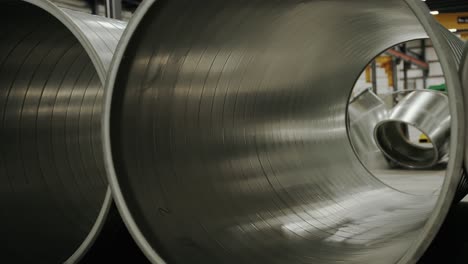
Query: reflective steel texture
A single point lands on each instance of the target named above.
(226, 140)
(55, 196)
(426, 111)
(464, 78)
(365, 111)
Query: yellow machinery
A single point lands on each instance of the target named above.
(455, 21)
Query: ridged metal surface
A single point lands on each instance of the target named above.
(464, 67)
(463, 188)
(456, 45)
(426, 111)
(226, 140)
(460, 51)
(54, 192)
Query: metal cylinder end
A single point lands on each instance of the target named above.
(426, 111)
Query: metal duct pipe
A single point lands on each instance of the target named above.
(226, 140)
(426, 111)
(55, 196)
(365, 111)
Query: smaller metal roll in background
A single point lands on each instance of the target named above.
(426, 111)
(365, 111)
(54, 193)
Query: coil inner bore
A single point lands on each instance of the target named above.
(52, 180)
(229, 137)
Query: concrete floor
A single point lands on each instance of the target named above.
(451, 243)
(449, 247)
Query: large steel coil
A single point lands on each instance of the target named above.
(464, 79)
(229, 140)
(226, 140)
(365, 111)
(426, 111)
(55, 196)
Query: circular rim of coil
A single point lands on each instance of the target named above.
(464, 83)
(448, 190)
(434, 151)
(68, 23)
(383, 145)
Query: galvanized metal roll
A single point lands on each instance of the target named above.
(226, 140)
(460, 50)
(464, 68)
(463, 188)
(426, 111)
(365, 111)
(464, 78)
(55, 196)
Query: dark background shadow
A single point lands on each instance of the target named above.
(451, 244)
(114, 245)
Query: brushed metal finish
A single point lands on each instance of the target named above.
(365, 111)
(226, 140)
(464, 78)
(426, 111)
(53, 187)
(458, 50)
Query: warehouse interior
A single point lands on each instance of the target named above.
(276, 132)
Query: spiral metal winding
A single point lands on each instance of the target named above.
(55, 196)
(226, 141)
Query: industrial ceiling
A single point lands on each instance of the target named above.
(448, 6)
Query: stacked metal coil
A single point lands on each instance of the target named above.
(463, 187)
(55, 196)
(464, 68)
(226, 141)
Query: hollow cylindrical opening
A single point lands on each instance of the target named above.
(393, 140)
(229, 140)
(425, 111)
(53, 182)
(400, 165)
